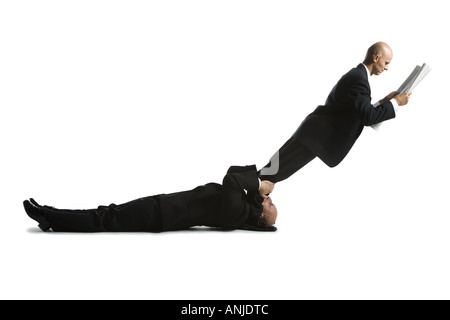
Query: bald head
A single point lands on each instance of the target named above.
(378, 57)
(379, 48)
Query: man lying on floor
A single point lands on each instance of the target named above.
(240, 202)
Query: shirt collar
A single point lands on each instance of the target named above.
(367, 70)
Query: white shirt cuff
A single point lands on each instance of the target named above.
(395, 105)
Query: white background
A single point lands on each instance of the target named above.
(108, 101)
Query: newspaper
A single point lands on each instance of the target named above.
(409, 84)
(414, 78)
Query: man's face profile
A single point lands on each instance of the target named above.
(270, 212)
(382, 62)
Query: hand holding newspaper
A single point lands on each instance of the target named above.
(410, 83)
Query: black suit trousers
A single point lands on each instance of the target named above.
(292, 156)
(138, 215)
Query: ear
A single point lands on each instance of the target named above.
(376, 57)
(262, 215)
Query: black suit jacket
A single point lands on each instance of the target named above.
(231, 205)
(332, 129)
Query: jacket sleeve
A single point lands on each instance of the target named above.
(234, 209)
(358, 97)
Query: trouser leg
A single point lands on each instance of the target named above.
(137, 215)
(291, 157)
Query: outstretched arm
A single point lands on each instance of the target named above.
(358, 97)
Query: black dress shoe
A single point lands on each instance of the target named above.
(34, 202)
(36, 212)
